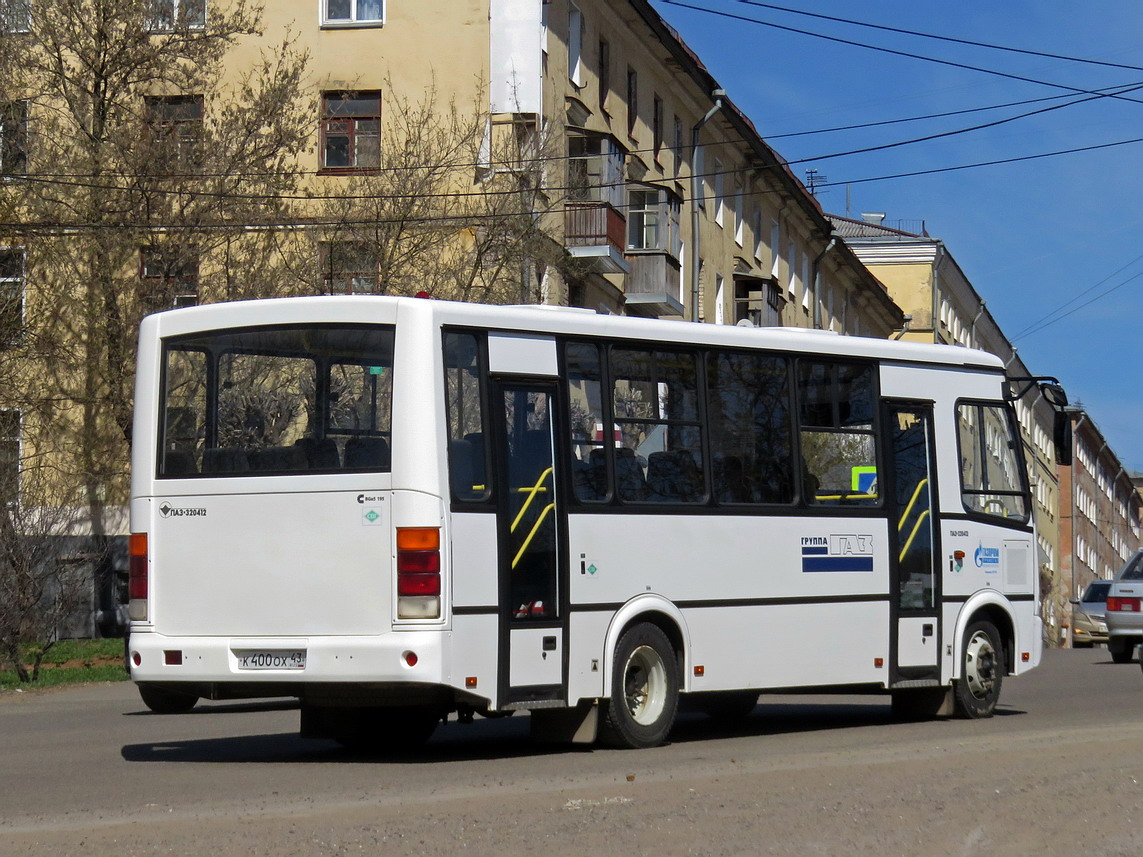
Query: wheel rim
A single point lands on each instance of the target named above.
(980, 665)
(645, 685)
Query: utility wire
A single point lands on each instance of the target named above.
(952, 39)
(893, 51)
(1060, 316)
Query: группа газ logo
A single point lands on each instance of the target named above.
(837, 552)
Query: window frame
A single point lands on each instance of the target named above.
(14, 137)
(1023, 490)
(354, 251)
(329, 117)
(159, 21)
(353, 21)
(170, 122)
(171, 273)
(17, 284)
(14, 442)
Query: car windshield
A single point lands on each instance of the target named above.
(1097, 591)
(1134, 569)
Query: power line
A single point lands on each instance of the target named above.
(893, 51)
(952, 39)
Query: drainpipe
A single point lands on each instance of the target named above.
(816, 279)
(972, 327)
(936, 308)
(696, 267)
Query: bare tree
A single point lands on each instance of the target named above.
(149, 173)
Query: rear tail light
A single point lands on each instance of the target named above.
(418, 572)
(1123, 605)
(138, 576)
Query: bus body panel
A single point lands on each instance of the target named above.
(327, 570)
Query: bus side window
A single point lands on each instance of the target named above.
(464, 396)
(836, 406)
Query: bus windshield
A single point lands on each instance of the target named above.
(277, 400)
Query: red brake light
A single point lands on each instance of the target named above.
(137, 576)
(137, 565)
(418, 572)
(1123, 605)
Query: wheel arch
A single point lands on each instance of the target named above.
(657, 611)
(991, 607)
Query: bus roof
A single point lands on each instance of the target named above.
(547, 320)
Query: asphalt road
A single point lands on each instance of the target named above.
(1058, 771)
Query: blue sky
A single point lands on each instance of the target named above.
(1037, 238)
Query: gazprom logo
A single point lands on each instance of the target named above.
(987, 558)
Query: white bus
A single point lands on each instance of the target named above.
(395, 509)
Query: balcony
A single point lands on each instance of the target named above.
(654, 284)
(596, 232)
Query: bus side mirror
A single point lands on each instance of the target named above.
(1062, 435)
(1055, 395)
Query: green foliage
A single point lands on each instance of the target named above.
(71, 662)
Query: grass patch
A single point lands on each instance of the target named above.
(71, 662)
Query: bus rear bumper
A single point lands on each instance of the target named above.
(245, 667)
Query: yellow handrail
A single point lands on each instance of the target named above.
(532, 492)
(912, 535)
(535, 528)
(912, 502)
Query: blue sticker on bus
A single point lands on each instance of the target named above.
(837, 552)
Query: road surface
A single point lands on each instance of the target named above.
(1058, 771)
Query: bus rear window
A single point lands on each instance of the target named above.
(277, 400)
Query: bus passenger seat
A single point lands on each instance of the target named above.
(367, 452)
(225, 459)
(460, 470)
(177, 462)
(629, 478)
(321, 453)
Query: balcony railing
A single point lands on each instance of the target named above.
(590, 224)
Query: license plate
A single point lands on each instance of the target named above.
(271, 659)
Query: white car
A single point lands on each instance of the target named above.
(1125, 610)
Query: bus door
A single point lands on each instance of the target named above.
(530, 538)
(914, 578)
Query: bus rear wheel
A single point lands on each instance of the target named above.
(162, 701)
(644, 690)
(982, 671)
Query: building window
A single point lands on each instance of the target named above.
(604, 72)
(11, 295)
(168, 15)
(175, 122)
(718, 182)
(15, 16)
(653, 220)
(575, 45)
(371, 12)
(349, 268)
(13, 138)
(351, 131)
(170, 276)
(680, 152)
(595, 170)
(739, 207)
(9, 456)
(657, 125)
(632, 99)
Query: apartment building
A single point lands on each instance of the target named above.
(501, 150)
(1099, 509)
(941, 305)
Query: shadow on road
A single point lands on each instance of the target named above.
(509, 738)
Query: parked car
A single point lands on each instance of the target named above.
(1125, 610)
(1089, 621)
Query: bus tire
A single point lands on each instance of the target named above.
(162, 701)
(977, 691)
(728, 705)
(644, 690)
(1121, 649)
(380, 731)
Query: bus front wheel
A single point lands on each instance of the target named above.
(644, 690)
(982, 671)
